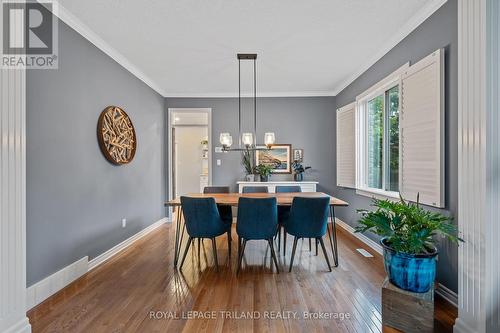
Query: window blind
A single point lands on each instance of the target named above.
(346, 146)
(422, 131)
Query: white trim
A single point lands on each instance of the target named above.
(100, 259)
(72, 21)
(259, 94)
(169, 144)
(22, 326)
(87, 33)
(379, 88)
(377, 194)
(441, 290)
(368, 241)
(47, 287)
(447, 294)
(478, 160)
(411, 25)
(13, 195)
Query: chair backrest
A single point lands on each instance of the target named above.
(288, 189)
(202, 217)
(216, 189)
(257, 218)
(308, 217)
(255, 189)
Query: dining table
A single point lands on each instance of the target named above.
(231, 199)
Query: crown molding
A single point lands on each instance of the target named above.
(92, 37)
(261, 94)
(411, 25)
(73, 22)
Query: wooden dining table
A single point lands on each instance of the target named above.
(231, 199)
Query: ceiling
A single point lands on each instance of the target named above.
(188, 47)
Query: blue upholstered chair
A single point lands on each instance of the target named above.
(203, 220)
(225, 212)
(257, 220)
(283, 212)
(255, 189)
(308, 219)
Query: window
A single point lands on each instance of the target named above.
(378, 137)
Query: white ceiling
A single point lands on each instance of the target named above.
(188, 47)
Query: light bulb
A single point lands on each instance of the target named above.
(269, 138)
(226, 140)
(247, 139)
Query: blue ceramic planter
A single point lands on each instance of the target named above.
(414, 273)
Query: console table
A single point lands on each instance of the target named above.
(306, 186)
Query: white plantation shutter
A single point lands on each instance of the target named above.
(422, 131)
(346, 146)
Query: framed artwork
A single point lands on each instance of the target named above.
(298, 155)
(279, 157)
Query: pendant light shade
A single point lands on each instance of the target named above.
(269, 139)
(247, 139)
(226, 140)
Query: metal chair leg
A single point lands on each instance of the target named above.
(309, 244)
(214, 247)
(284, 241)
(279, 238)
(229, 241)
(273, 254)
(317, 247)
(293, 253)
(324, 252)
(190, 240)
(199, 248)
(241, 255)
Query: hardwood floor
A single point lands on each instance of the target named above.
(139, 291)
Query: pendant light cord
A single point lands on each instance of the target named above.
(239, 103)
(254, 102)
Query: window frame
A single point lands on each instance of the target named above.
(380, 88)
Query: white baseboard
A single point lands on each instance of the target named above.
(22, 326)
(441, 290)
(447, 294)
(370, 242)
(45, 288)
(123, 245)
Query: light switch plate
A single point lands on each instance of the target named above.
(219, 162)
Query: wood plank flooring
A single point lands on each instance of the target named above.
(139, 291)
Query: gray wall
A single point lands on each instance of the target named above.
(75, 198)
(304, 122)
(439, 30)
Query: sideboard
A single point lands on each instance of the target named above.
(306, 185)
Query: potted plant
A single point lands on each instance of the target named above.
(264, 171)
(246, 162)
(298, 170)
(407, 232)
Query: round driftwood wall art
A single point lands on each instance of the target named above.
(116, 135)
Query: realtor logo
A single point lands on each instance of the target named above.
(29, 36)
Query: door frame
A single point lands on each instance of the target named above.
(170, 111)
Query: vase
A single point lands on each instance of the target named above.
(411, 272)
(250, 178)
(264, 178)
(298, 177)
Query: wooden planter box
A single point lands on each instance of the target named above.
(407, 311)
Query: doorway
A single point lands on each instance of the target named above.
(190, 158)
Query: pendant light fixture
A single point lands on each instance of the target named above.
(248, 139)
